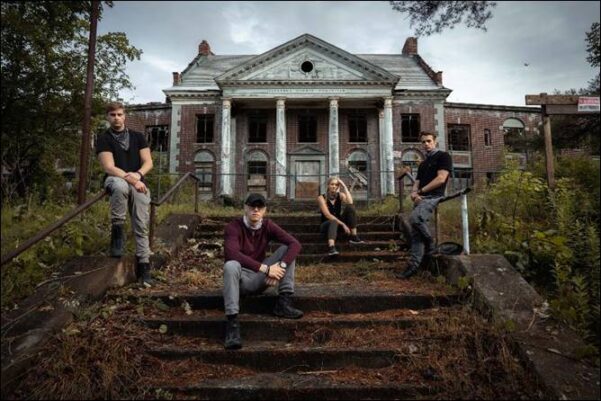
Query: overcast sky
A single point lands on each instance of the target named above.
(480, 67)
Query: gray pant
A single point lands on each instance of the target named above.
(240, 280)
(124, 197)
(420, 233)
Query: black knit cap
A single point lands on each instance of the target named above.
(255, 200)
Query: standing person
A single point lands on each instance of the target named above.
(247, 271)
(428, 189)
(332, 217)
(125, 157)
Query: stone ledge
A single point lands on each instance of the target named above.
(547, 346)
(83, 279)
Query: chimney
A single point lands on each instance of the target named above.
(204, 48)
(410, 47)
(438, 77)
(177, 78)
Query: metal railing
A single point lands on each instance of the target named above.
(165, 197)
(50, 229)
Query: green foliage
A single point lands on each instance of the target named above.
(44, 60)
(551, 237)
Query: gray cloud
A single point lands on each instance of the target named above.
(480, 67)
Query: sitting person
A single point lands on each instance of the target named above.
(332, 217)
(247, 271)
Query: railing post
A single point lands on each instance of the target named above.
(195, 184)
(152, 222)
(464, 220)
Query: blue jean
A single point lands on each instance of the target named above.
(420, 233)
(240, 280)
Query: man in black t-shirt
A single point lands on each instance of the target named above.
(125, 157)
(428, 190)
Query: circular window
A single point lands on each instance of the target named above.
(307, 66)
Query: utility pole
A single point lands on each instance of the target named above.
(85, 130)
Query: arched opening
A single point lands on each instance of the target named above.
(256, 170)
(204, 164)
(358, 168)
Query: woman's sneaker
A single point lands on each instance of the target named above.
(356, 240)
(332, 251)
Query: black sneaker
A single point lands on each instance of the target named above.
(356, 240)
(232, 335)
(332, 251)
(283, 308)
(117, 240)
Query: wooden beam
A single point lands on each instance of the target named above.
(548, 149)
(544, 98)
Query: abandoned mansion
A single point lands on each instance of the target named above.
(281, 122)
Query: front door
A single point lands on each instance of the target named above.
(307, 179)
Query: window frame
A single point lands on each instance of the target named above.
(205, 117)
(410, 116)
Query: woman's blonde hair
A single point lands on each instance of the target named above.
(332, 179)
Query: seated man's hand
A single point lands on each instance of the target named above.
(140, 187)
(271, 282)
(276, 272)
(131, 178)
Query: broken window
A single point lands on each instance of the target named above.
(487, 138)
(203, 165)
(459, 137)
(357, 127)
(257, 128)
(410, 128)
(204, 128)
(357, 166)
(157, 137)
(257, 173)
(307, 128)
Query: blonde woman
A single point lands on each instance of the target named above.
(333, 218)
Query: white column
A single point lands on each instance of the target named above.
(174, 135)
(382, 165)
(388, 144)
(334, 147)
(226, 178)
(280, 148)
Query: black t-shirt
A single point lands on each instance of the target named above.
(126, 160)
(334, 209)
(428, 170)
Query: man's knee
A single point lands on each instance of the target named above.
(232, 267)
(118, 186)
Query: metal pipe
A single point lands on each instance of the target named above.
(151, 228)
(464, 221)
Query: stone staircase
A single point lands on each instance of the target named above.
(364, 335)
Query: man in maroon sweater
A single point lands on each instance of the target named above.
(247, 271)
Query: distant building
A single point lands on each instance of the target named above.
(281, 122)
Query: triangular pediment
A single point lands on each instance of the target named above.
(307, 150)
(306, 59)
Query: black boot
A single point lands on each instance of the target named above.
(410, 271)
(144, 277)
(232, 335)
(117, 240)
(284, 308)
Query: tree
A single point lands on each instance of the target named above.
(435, 16)
(44, 50)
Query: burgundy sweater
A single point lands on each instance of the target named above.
(248, 247)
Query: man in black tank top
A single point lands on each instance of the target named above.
(332, 216)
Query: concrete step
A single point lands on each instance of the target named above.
(353, 256)
(283, 219)
(322, 247)
(290, 386)
(317, 237)
(304, 228)
(336, 300)
(273, 356)
(258, 327)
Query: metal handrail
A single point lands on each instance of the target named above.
(51, 228)
(167, 195)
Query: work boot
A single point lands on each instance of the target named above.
(283, 308)
(410, 271)
(332, 251)
(232, 335)
(144, 277)
(117, 240)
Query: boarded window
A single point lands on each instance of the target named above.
(203, 166)
(410, 127)
(307, 128)
(257, 128)
(257, 173)
(357, 127)
(459, 137)
(204, 128)
(157, 137)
